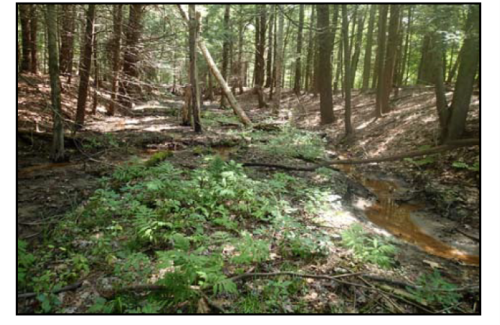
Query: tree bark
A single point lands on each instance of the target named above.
(24, 13)
(269, 64)
(368, 51)
(131, 58)
(406, 55)
(225, 50)
(347, 67)
(85, 66)
(465, 78)
(193, 37)
(57, 153)
(116, 48)
(260, 48)
(310, 51)
(357, 49)
(378, 76)
(33, 38)
(298, 61)
(324, 63)
(390, 59)
(279, 62)
(213, 68)
(67, 38)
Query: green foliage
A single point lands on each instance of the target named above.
(251, 250)
(462, 165)
(158, 157)
(295, 143)
(433, 289)
(421, 162)
(24, 262)
(372, 249)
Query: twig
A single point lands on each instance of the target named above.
(293, 274)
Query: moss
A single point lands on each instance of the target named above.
(158, 158)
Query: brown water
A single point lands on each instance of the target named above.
(396, 218)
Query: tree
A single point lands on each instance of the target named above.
(193, 68)
(24, 15)
(85, 66)
(298, 67)
(379, 67)
(57, 153)
(325, 47)
(310, 51)
(33, 38)
(269, 63)
(357, 49)
(260, 48)
(67, 39)
(116, 48)
(368, 50)
(131, 88)
(238, 111)
(456, 115)
(279, 60)
(225, 49)
(347, 68)
(390, 60)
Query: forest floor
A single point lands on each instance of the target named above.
(394, 237)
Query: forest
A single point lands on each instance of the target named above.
(248, 158)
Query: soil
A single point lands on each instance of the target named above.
(436, 206)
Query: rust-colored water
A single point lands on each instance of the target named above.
(396, 219)
(28, 170)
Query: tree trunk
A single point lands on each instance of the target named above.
(298, 61)
(465, 78)
(325, 47)
(131, 58)
(347, 67)
(85, 66)
(96, 74)
(279, 62)
(241, 68)
(425, 73)
(310, 51)
(406, 57)
(390, 59)
(378, 75)
(67, 38)
(368, 51)
(33, 38)
(116, 48)
(24, 13)
(269, 64)
(225, 50)
(260, 48)
(213, 68)
(57, 153)
(357, 49)
(193, 37)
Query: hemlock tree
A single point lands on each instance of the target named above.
(193, 68)
(325, 47)
(347, 67)
(57, 153)
(279, 61)
(116, 55)
(85, 66)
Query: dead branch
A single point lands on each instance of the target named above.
(70, 287)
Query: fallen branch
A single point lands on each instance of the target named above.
(471, 236)
(70, 287)
(292, 274)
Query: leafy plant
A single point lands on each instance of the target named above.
(24, 261)
(433, 289)
(462, 165)
(372, 249)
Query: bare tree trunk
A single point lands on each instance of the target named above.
(378, 75)
(406, 57)
(213, 68)
(390, 58)
(225, 51)
(193, 37)
(85, 66)
(67, 39)
(33, 38)
(310, 51)
(347, 68)
(57, 153)
(269, 64)
(260, 48)
(368, 52)
(96, 75)
(357, 49)
(116, 41)
(24, 15)
(279, 62)
(325, 47)
(465, 78)
(298, 67)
